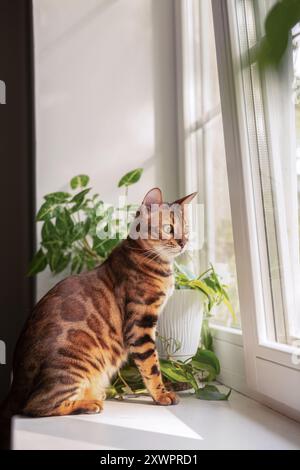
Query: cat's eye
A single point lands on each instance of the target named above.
(167, 228)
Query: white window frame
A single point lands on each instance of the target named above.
(277, 87)
(269, 373)
(269, 369)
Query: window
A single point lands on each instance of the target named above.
(260, 139)
(204, 160)
(270, 115)
(241, 148)
(296, 102)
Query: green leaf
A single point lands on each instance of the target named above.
(213, 281)
(230, 308)
(79, 181)
(79, 199)
(187, 274)
(98, 246)
(77, 232)
(77, 263)
(210, 392)
(103, 247)
(57, 260)
(86, 226)
(53, 257)
(62, 263)
(277, 27)
(38, 263)
(171, 372)
(49, 233)
(212, 284)
(57, 197)
(111, 244)
(208, 372)
(282, 17)
(182, 280)
(206, 336)
(57, 210)
(207, 357)
(90, 262)
(80, 230)
(45, 212)
(51, 207)
(111, 392)
(132, 376)
(64, 224)
(53, 244)
(131, 177)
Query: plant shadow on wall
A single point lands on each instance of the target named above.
(79, 231)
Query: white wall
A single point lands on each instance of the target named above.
(105, 96)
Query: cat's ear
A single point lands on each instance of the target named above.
(185, 199)
(154, 196)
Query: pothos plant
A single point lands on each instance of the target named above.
(72, 223)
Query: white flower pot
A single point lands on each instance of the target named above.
(180, 321)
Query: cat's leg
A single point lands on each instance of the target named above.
(64, 401)
(64, 408)
(82, 406)
(148, 365)
(144, 354)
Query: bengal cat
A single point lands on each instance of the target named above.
(81, 332)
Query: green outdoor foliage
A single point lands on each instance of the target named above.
(71, 222)
(279, 22)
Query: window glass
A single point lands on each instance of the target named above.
(205, 160)
(220, 247)
(271, 104)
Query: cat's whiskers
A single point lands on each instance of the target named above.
(157, 252)
(151, 254)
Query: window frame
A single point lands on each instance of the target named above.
(252, 363)
(284, 141)
(268, 364)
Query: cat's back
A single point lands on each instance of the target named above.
(72, 311)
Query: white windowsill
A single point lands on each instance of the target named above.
(233, 335)
(240, 423)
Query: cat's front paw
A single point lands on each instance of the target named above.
(167, 398)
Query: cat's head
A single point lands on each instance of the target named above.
(161, 227)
